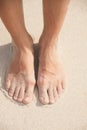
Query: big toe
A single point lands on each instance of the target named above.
(43, 96)
(28, 97)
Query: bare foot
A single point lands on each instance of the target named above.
(51, 76)
(20, 80)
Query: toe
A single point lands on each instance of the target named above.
(21, 94)
(55, 93)
(51, 95)
(12, 88)
(8, 82)
(43, 86)
(64, 84)
(59, 89)
(16, 93)
(28, 97)
(43, 95)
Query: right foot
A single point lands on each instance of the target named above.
(20, 80)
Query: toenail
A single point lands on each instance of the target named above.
(59, 94)
(63, 90)
(26, 100)
(51, 102)
(43, 100)
(7, 88)
(15, 98)
(19, 99)
(10, 94)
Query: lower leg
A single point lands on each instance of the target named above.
(20, 79)
(51, 77)
(11, 12)
(54, 12)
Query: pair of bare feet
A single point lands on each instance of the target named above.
(20, 80)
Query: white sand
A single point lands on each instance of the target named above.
(70, 112)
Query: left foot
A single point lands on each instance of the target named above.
(51, 77)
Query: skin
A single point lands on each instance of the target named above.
(20, 79)
(51, 75)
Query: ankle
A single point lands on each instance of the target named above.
(45, 47)
(24, 43)
(47, 41)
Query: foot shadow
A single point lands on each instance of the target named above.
(36, 65)
(5, 60)
(5, 57)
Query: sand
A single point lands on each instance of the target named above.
(70, 112)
